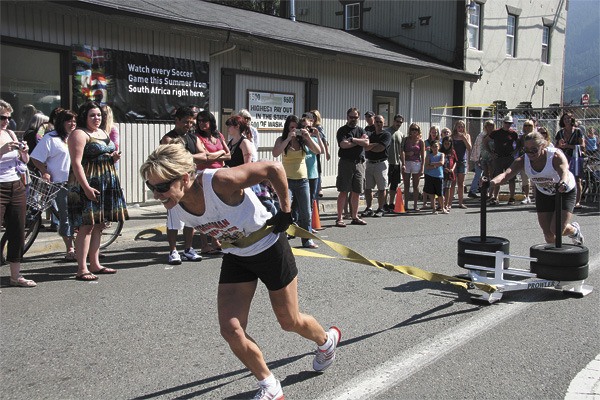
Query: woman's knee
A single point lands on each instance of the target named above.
(232, 332)
(288, 323)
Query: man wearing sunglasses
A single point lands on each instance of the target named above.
(352, 140)
(183, 132)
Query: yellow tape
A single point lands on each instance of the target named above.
(353, 256)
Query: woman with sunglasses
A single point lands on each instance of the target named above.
(413, 157)
(12, 195)
(548, 168)
(570, 140)
(95, 194)
(214, 148)
(220, 203)
(213, 143)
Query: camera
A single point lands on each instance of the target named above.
(21, 146)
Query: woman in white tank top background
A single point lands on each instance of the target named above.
(548, 169)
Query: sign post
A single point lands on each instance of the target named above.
(585, 99)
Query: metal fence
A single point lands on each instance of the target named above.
(548, 117)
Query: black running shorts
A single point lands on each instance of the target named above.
(275, 267)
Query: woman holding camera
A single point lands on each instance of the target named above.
(13, 198)
(292, 145)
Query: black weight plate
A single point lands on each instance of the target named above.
(568, 255)
(555, 273)
(476, 259)
(491, 245)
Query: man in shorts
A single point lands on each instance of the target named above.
(376, 169)
(505, 141)
(352, 140)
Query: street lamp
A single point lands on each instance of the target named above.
(541, 83)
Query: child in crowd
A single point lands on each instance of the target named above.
(449, 167)
(434, 176)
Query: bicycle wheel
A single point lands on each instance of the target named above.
(33, 221)
(110, 233)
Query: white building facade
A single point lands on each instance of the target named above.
(320, 67)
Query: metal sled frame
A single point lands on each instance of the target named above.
(482, 275)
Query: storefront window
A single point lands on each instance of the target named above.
(29, 76)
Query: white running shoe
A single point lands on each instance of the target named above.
(174, 258)
(273, 392)
(191, 255)
(577, 237)
(527, 200)
(324, 358)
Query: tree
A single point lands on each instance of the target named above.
(591, 90)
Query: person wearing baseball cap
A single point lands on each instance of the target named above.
(505, 142)
(370, 118)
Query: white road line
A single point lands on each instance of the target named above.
(399, 368)
(586, 384)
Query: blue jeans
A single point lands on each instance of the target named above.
(301, 209)
(64, 227)
(476, 178)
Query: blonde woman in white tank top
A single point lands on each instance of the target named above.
(548, 168)
(220, 203)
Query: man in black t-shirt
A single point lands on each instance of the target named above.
(376, 169)
(184, 130)
(352, 140)
(370, 120)
(506, 143)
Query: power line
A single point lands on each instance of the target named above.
(576, 84)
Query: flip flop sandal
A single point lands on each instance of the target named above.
(87, 277)
(105, 271)
(340, 224)
(358, 221)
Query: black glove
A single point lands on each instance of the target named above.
(280, 221)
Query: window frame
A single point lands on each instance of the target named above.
(476, 29)
(511, 38)
(351, 18)
(546, 35)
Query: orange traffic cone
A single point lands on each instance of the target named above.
(316, 221)
(399, 207)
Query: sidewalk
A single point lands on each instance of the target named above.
(152, 215)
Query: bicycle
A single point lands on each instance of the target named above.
(40, 198)
(591, 179)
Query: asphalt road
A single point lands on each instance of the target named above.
(151, 332)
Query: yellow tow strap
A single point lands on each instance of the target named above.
(353, 256)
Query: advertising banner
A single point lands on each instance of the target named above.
(138, 87)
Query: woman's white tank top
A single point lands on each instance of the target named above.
(229, 223)
(546, 179)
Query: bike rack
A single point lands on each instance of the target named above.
(480, 274)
